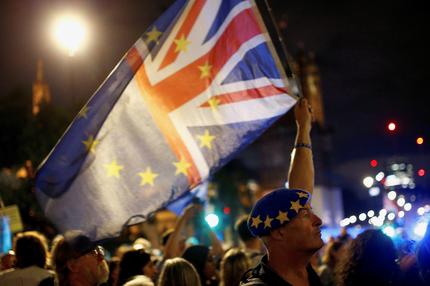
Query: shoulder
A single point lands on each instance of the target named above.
(252, 277)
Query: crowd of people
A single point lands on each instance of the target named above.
(280, 244)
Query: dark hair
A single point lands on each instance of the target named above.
(243, 230)
(197, 256)
(369, 260)
(30, 249)
(178, 272)
(131, 264)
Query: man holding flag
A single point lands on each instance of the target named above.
(283, 219)
(200, 84)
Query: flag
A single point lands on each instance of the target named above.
(201, 83)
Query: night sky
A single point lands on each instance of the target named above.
(373, 59)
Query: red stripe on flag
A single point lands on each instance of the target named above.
(134, 59)
(186, 83)
(248, 94)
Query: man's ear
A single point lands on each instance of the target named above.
(277, 234)
(72, 265)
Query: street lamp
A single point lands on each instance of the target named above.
(70, 33)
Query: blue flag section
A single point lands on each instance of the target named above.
(200, 84)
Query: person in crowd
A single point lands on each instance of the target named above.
(254, 248)
(78, 261)
(284, 220)
(174, 239)
(31, 252)
(134, 264)
(332, 254)
(7, 260)
(370, 259)
(423, 257)
(233, 265)
(344, 236)
(407, 261)
(140, 280)
(178, 272)
(113, 271)
(204, 261)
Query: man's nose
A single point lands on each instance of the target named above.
(316, 220)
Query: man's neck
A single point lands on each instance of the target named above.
(291, 266)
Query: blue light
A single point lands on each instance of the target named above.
(212, 220)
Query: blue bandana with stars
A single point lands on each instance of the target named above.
(276, 209)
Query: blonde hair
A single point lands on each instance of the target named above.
(233, 265)
(178, 272)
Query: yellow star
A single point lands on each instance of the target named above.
(147, 177)
(205, 70)
(214, 102)
(282, 217)
(181, 167)
(296, 206)
(153, 35)
(256, 221)
(302, 195)
(182, 44)
(206, 139)
(83, 112)
(113, 169)
(267, 222)
(90, 144)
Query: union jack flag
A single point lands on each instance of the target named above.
(200, 84)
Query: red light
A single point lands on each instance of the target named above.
(392, 126)
(421, 172)
(420, 140)
(373, 163)
(227, 210)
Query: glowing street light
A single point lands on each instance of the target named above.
(420, 140)
(368, 182)
(70, 33)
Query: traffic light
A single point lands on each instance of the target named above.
(420, 140)
(421, 172)
(373, 163)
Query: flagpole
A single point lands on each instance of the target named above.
(277, 40)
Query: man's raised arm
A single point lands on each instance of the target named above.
(301, 173)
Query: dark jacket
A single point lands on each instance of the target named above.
(262, 274)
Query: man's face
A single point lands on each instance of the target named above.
(303, 232)
(94, 267)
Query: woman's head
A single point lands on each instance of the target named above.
(369, 259)
(202, 259)
(30, 249)
(233, 265)
(178, 272)
(135, 262)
